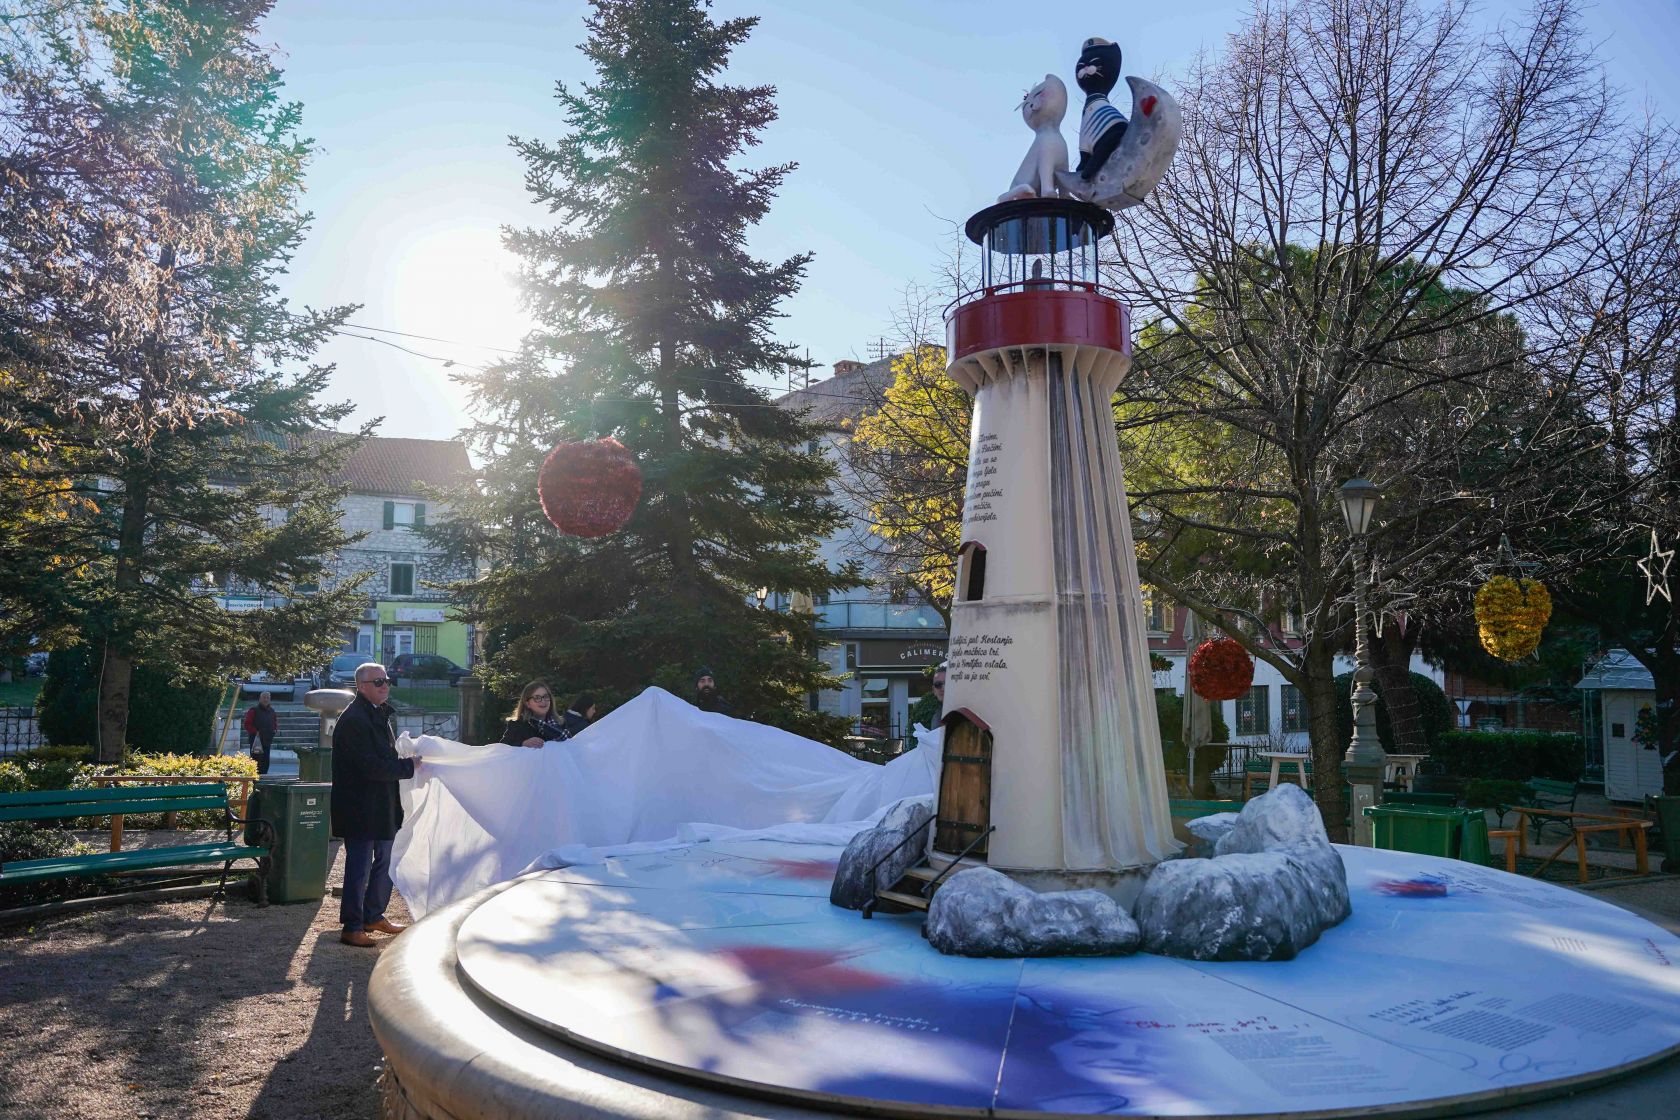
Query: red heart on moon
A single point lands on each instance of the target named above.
(1147, 105)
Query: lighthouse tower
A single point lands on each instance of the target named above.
(1052, 769)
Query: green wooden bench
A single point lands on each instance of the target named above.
(1546, 793)
(68, 804)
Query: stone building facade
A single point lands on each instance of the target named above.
(880, 645)
(404, 577)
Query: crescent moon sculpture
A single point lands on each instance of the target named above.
(1142, 157)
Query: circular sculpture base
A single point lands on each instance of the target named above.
(719, 970)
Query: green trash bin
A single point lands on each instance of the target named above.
(315, 764)
(1403, 797)
(301, 816)
(1428, 830)
(1474, 848)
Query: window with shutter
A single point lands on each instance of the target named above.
(390, 515)
(419, 515)
(402, 579)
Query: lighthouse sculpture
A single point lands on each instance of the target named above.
(1052, 769)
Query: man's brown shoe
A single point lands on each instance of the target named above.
(385, 925)
(357, 937)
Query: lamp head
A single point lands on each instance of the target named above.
(1359, 503)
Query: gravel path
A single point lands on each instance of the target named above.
(214, 1010)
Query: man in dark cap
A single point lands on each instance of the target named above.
(706, 695)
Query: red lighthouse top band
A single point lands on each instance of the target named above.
(1029, 314)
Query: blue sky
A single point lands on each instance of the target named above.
(900, 114)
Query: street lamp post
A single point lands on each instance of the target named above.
(1364, 760)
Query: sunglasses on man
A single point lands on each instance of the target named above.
(378, 682)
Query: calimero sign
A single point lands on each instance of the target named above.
(888, 654)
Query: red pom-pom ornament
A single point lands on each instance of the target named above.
(1221, 669)
(589, 488)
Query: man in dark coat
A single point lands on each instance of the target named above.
(366, 810)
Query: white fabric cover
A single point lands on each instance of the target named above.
(655, 771)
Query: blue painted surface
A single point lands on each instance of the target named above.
(1450, 979)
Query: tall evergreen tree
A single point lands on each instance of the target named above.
(653, 316)
(155, 379)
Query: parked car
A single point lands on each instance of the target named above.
(35, 664)
(274, 684)
(341, 672)
(424, 667)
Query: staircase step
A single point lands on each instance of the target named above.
(925, 873)
(914, 901)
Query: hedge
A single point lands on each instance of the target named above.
(1437, 711)
(163, 716)
(1514, 756)
(25, 840)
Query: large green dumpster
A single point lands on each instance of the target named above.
(314, 764)
(1431, 830)
(1405, 797)
(1428, 830)
(299, 812)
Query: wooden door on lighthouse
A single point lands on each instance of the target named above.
(965, 786)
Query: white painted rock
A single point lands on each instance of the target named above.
(1273, 886)
(1211, 829)
(1274, 820)
(1254, 906)
(980, 912)
(852, 884)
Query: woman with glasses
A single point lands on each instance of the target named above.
(533, 722)
(924, 716)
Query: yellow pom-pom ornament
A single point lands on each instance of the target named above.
(1510, 614)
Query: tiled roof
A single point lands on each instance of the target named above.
(1618, 670)
(853, 390)
(395, 466)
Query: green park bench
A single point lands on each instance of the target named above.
(68, 804)
(1545, 793)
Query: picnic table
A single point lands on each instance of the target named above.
(1401, 769)
(1301, 761)
(1581, 825)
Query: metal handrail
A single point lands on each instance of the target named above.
(869, 907)
(927, 890)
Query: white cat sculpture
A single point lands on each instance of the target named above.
(1042, 108)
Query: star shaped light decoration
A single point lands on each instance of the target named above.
(1655, 566)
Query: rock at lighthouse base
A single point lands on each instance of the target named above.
(853, 886)
(984, 913)
(1274, 885)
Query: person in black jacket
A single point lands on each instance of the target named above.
(706, 695)
(580, 715)
(366, 810)
(262, 723)
(533, 723)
